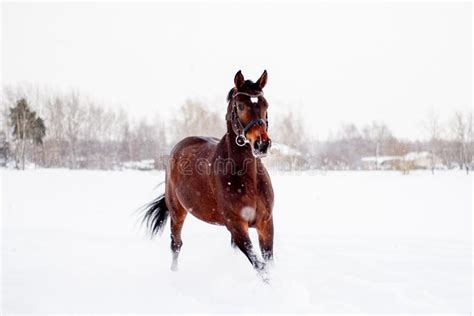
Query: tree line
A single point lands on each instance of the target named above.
(77, 133)
(447, 145)
(69, 130)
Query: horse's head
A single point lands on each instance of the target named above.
(247, 113)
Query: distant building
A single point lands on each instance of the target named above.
(423, 160)
(410, 161)
(381, 162)
(284, 157)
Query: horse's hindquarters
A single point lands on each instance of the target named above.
(189, 180)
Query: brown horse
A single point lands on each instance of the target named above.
(223, 182)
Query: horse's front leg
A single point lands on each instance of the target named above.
(240, 237)
(265, 239)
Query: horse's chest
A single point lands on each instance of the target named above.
(247, 200)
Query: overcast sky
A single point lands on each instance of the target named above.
(331, 62)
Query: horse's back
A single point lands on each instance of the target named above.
(193, 146)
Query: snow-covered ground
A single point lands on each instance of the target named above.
(345, 242)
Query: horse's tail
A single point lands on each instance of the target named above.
(156, 215)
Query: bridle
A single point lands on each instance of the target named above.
(239, 129)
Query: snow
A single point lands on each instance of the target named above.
(344, 242)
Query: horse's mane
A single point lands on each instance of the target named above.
(229, 95)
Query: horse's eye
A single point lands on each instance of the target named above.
(240, 106)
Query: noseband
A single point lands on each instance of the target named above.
(239, 129)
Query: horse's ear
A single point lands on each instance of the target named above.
(239, 79)
(262, 81)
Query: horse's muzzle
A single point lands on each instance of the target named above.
(260, 147)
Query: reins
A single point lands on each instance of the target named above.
(239, 129)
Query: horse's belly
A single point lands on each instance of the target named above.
(211, 217)
(200, 204)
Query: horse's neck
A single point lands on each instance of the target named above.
(241, 157)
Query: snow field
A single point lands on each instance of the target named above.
(345, 242)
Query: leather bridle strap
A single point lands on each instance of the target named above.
(237, 126)
(252, 123)
(260, 94)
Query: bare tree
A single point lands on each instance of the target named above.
(74, 121)
(379, 134)
(195, 119)
(55, 120)
(124, 136)
(461, 131)
(469, 138)
(289, 130)
(434, 130)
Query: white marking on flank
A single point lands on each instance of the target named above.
(247, 213)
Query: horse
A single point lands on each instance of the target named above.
(223, 182)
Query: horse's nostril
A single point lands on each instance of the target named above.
(257, 144)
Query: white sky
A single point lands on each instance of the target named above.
(332, 62)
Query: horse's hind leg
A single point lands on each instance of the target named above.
(178, 215)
